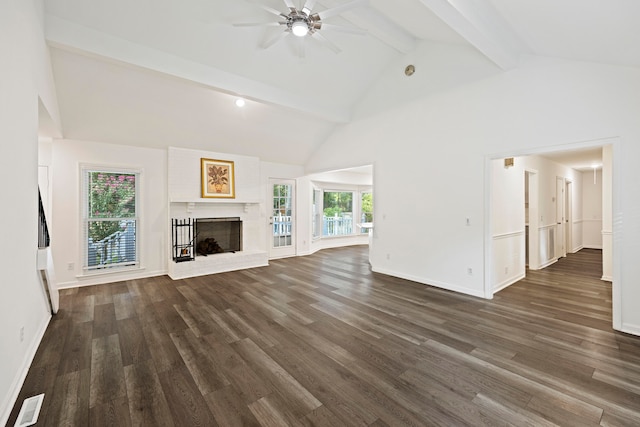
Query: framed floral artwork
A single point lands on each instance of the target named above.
(218, 179)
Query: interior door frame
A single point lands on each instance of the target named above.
(568, 217)
(288, 250)
(534, 220)
(560, 238)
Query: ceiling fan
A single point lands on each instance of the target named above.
(304, 22)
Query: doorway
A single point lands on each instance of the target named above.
(560, 201)
(560, 234)
(532, 223)
(282, 218)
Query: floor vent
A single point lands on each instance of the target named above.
(28, 415)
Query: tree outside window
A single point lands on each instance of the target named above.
(110, 219)
(338, 213)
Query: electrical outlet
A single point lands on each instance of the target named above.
(71, 266)
(22, 334)
(388, 256)
(506, 270)
(468, 222)
(470, 271)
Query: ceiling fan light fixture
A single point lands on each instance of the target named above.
(300, 28)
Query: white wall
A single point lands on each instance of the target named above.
(25, 78)
(169, 180)
(430, 157)
(68, 156)
(592, 210)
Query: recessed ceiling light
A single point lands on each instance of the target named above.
(240, 102)
(409, 70)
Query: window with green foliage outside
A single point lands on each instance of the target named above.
(110, 200)
(337, 213)
(366, 209)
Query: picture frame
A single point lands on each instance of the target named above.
(217, 179)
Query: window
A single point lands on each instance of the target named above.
(110, 221)
(337, 213)
(316, 213)
(366, 209)
(282, 214)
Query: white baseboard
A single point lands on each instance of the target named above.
(510, 281)
(430, 282)
(106, 278)
(630, 329)
(592, 247)
(548, 263)
(577, 249)
(607, 278)
(21, 375)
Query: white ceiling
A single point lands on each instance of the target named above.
(160, 73)
(582, 160)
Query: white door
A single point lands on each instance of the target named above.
(560, 250)
(282, 218)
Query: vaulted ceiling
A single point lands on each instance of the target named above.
(165, 73)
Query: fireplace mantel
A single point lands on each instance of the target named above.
(191, 203)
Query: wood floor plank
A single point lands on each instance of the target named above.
(163, 351)
(249, 385)
(298, 398)
(114, 413)
(104, 320)
(195, 354)
(186, 403)
(229, 408)
(321, 340)
(107, 371)
(123, 304)
(133, 345)
(147, 402)
(77, 348)
(69, 402)
(271, 414)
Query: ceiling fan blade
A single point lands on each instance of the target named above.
(290, 4)
(342, 8)
(316, 35)
(259, 24)
(350, 30)
(269, 9)
(308, 6)
(273, 40)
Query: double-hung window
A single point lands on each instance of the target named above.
(110, 218)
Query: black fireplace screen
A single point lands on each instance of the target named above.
(205, 236)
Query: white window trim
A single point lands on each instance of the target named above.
(87, 272)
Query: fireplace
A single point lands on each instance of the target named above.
(217, 235)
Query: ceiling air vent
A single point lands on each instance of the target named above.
(28, 415)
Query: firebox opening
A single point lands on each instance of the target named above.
(218, 235)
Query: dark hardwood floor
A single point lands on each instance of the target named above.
(321, 340)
